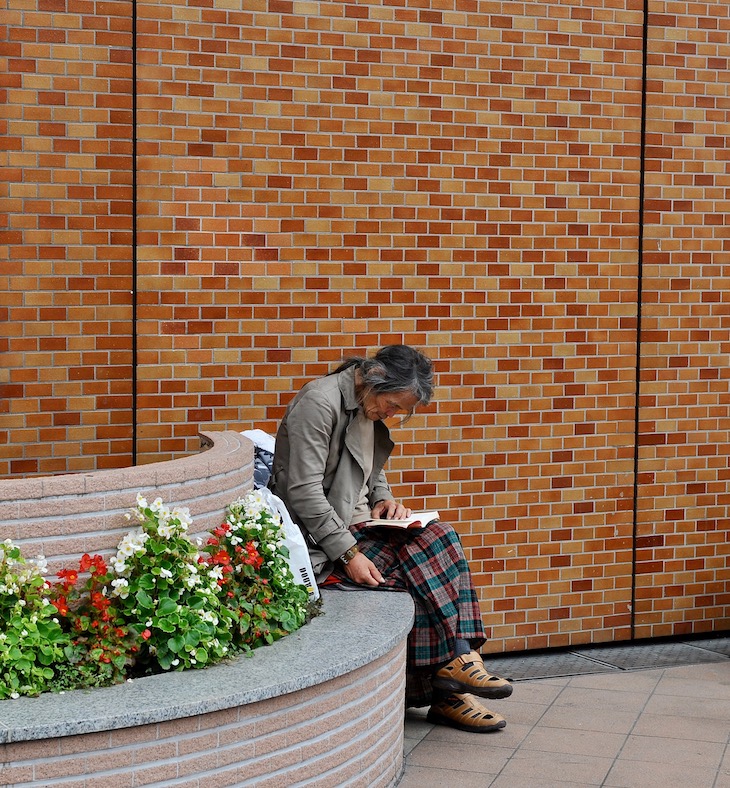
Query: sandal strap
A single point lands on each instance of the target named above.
(466, 712)
(467, 673)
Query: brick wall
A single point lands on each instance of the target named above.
(66, 272)
(684, 426)
(314, 179)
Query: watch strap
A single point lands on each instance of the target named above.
(348, 555)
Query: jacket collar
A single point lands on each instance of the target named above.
(346, 381)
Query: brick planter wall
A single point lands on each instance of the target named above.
(62, 517)
(324, 704)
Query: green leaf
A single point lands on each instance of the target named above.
(165, 660)
(165, 625)
(201, 656)
(120, 661)
(146, 581)
(166, 606)
(156, 547)
(144, 600)
(11, 637)
(47, 629)
(176, 644)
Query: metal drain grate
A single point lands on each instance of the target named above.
(716, 645)
(606, 659)
(650, 655)
(542, 665)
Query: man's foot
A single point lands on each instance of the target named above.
(468, 674)
(465, 712)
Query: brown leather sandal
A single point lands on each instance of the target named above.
(468, 674)
(465, 712)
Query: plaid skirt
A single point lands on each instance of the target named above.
(429, 565)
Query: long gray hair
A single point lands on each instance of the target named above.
(395, 368)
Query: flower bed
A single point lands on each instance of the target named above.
(162, 604)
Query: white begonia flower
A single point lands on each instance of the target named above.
(120, 587)
(216, 572)
(130, 544)
(125, 550)
(119, 566)
(165, 573)
(209, 616)
(141, 501)
(182, 515)
(165, 531)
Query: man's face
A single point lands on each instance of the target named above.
(378, 407)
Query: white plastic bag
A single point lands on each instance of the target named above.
(299, 562)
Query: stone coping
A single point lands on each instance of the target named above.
(63, 517)
(221, 452)
(356, 628)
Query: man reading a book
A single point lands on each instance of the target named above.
(331, 449)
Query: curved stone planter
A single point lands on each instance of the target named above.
(64, 516)
(323, 706)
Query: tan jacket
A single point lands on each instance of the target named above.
(318, 465)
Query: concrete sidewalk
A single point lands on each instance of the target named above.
(623, 726)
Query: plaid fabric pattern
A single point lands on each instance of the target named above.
(429, 565)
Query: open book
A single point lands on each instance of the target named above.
(416, 520)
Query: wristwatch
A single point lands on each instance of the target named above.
(348, 555)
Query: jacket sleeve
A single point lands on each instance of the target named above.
(310, 424)
(381, 490)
